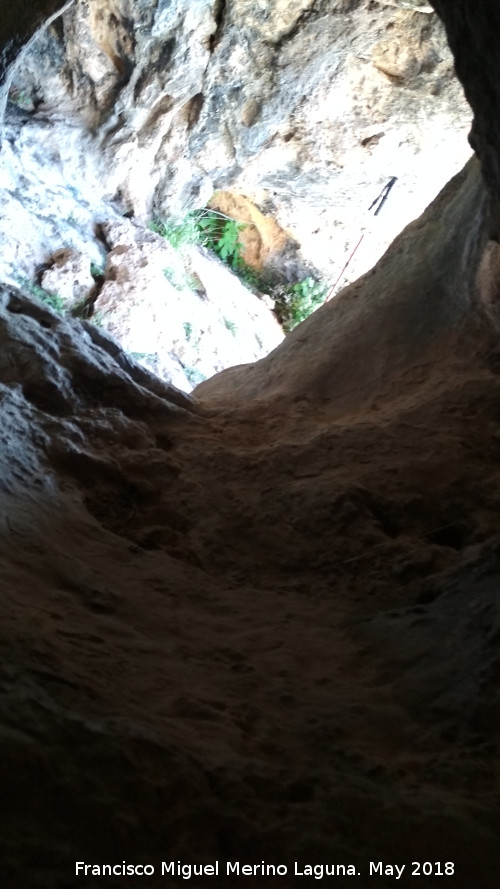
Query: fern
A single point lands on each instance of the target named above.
(209, 229)
(53, 300)
(296, 302)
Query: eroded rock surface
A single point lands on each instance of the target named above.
(470, 32)
(305, 109)
(185, 317)
(290, 117)
(262, 624)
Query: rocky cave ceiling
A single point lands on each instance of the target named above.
(258, 623)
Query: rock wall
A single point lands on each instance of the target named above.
(419, 294)
(469, 32)
(20, 25)
(262, 624)
(305, 109)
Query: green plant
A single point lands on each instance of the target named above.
(180, 280)
(97, 271)
(144, 356)
(218, 233)
(209, 229)
(194, 376)
(231, 326)
(251, 278)
(177, 234)
(188, 330)
(82, 310)
(21, 98)
(97, 319)
(295, 302)
(53, 300)
(222, 235)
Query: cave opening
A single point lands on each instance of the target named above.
(319, 142)
(259, 624)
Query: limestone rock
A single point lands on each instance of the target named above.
(17, 32)
(51, 193)
(304, 110)
(225, 620)
(416, 5)
(260, 624)
(69, 277)
(424, 259)
(469, 28)
(184, 316)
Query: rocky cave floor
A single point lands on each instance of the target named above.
(246, 633)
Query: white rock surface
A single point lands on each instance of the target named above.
(183, 316)
(69, 277)
(149, 108)
(51, 194)
(306, 111)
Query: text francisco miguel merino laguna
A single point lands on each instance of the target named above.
(235, 869)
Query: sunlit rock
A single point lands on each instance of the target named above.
(306, 113)
(184, 316)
